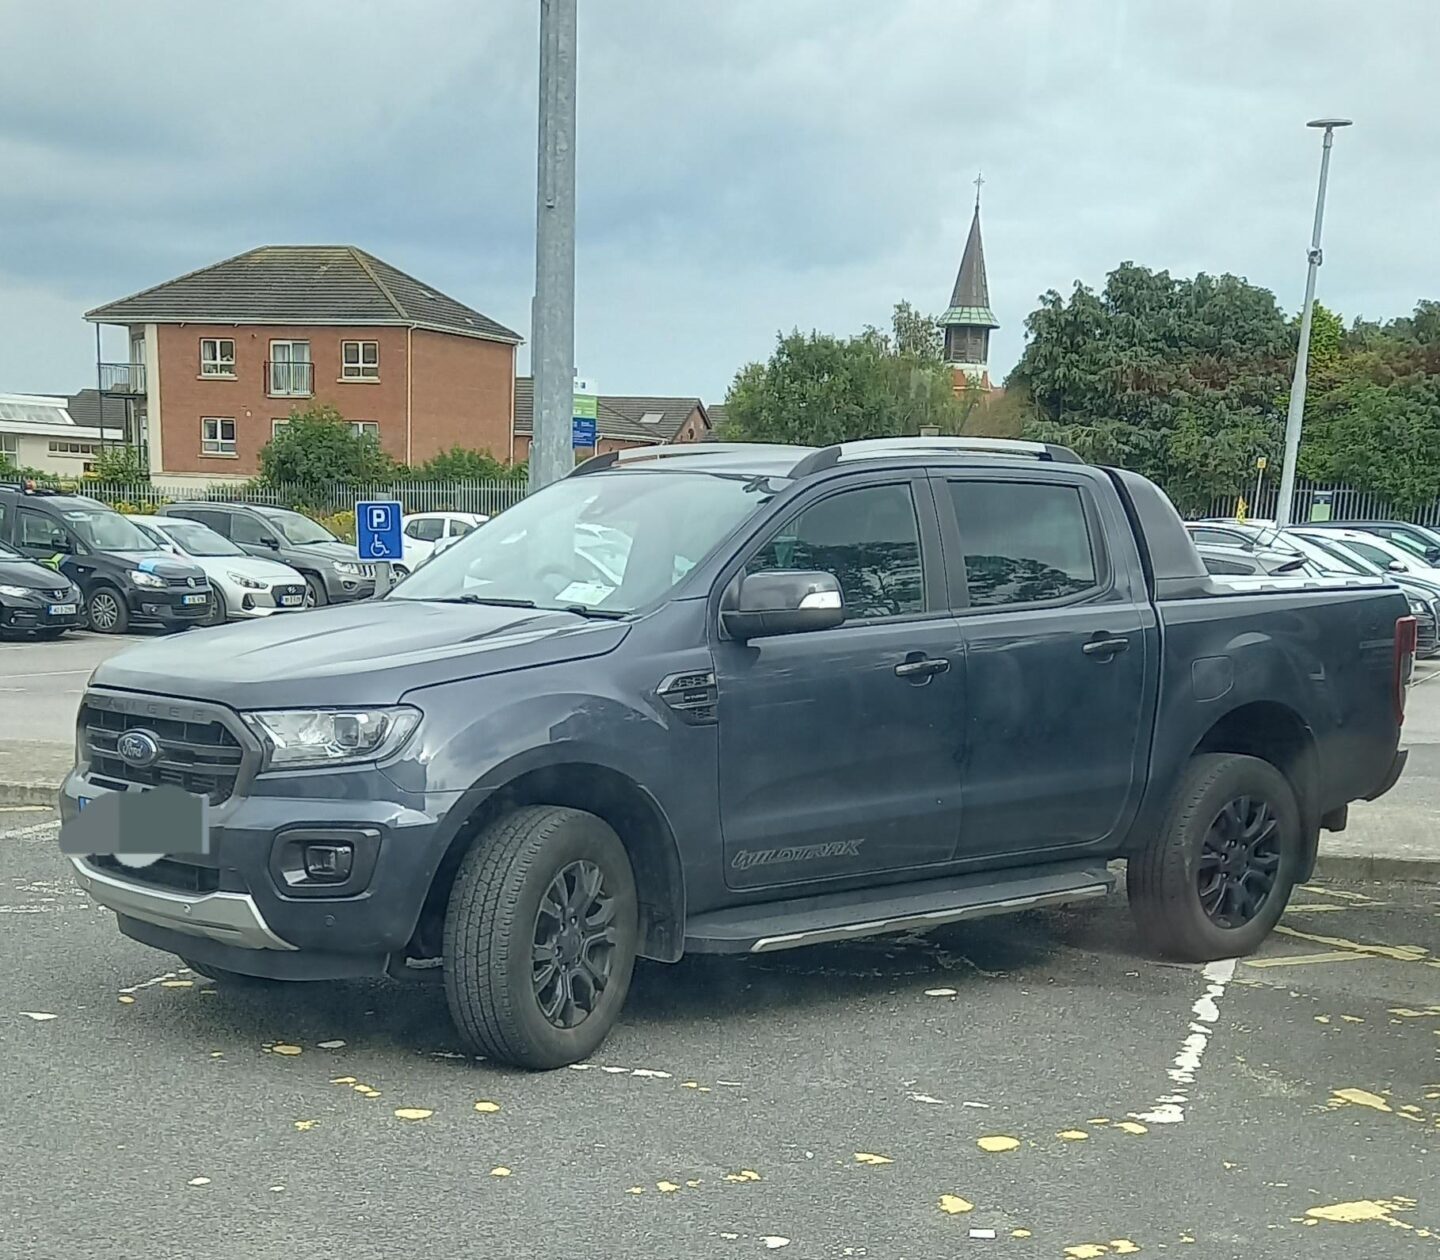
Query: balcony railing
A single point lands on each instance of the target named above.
(290, 379)
(122, 378)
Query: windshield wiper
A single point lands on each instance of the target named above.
(605, 614)
(494, 600)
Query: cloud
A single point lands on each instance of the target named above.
(744, 167)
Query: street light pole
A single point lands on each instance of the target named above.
(552, 350)
(1285, 504)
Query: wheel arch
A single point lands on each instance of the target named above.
(1275, 733)
(607, 793)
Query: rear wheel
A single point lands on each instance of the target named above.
(1216, 879)
(315, 593)
(105, 610)
(540, 937)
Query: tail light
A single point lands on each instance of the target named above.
(1406, 640)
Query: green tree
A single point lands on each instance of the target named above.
(318, 445)
(121, 465)
(816, 389)
(459, 464)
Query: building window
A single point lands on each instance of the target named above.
(276, 426)
(362, 427)
(359, 360)
(9, 444)
(217, 356)
(291, 374)
(217, 436)
(72, 448)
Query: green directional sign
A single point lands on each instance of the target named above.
(587, 407)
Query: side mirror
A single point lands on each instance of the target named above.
(1432, 556)
(270, 541)
(1398, 566)
(782, 601)
(61, 542)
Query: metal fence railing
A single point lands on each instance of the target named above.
(1345, 503)
(485, 497)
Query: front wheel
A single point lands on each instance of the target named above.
(106, 611)
(316, 595)
(218, 613)
(540, 937)
(1216, 879)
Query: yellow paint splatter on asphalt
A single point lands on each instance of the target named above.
(342, 1080)
(177, 984)
(941, 992)
(1101, 1121)
(1123, 1247)
(126, 1000)
(997, 1143)
(199, 1181)
(1352, 1019)
(287, 1050)
(1086, 1251)
(636, 1190)
(745, 1174)
(305, 1125)
(501, 1171)
(487, 1107)
(1322, 1019)
(1406, 1012)
(864, 1157)
(1019, 1233)
(1361, 1211)
(666, 1187)
(1359, 1098)
(413, 1113)
(1074, 1135)
(1132, 1126)
(693, 1184)
(954, 1204)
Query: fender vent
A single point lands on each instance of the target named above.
(693, 696)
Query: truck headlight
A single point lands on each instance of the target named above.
(141, 578)
(345, 568)
(1416, 605)
(296, 738)
(248, 583)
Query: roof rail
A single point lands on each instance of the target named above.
(878, 448)
(28, 487)
(638, 454)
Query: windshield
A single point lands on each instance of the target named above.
(297, 529)
(612, 542)
(108, 531)
(1332, 558)
(196, 539)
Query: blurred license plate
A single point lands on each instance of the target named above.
(291, 601)
(62, 610)
(196, 599)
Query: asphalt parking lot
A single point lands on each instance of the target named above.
(1031, 1086)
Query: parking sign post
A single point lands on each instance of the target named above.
(377, 538)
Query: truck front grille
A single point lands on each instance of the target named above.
(171, 873)
(200, 757)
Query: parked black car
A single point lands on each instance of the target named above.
(34, 598)
(123, 577)
(822, 694)
(333, 570)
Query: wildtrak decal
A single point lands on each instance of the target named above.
(747, 858)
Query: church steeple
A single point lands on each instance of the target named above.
(969, 319)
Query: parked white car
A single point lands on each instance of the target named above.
(1379, 551)
(243, 585)
(424, 529)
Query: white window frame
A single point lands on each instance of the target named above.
(217, 365)
(9, 444)
(217, 446)
(362, 369)
(72, 448)
(361, 427)
(289, 361)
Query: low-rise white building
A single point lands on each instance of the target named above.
(37, 431)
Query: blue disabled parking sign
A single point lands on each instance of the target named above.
(377, 530)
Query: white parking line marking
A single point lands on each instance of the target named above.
(1170, 1108)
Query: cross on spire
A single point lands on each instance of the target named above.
(979, 180)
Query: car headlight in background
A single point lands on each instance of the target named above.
(141, 578)
(331, 737)
(347, 569)
(17, 592)
(249, 583)
(1416, 605)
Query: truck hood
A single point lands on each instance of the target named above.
(323, 551)
(372, 652)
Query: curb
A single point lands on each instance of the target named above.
(29, 794)
(1368, 866)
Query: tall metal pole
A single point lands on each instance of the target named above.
(552, 350)
(1285, 504)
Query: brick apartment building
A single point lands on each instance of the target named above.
(220, 356)
(622, 421)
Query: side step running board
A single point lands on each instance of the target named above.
(767, 926)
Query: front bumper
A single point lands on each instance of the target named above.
(246, 602)
(36, 615)
(244, 916)
(167, 608)
(344, 589)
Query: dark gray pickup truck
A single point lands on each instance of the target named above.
(744, 698)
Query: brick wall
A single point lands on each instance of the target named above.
(462, 395)
(186, 397)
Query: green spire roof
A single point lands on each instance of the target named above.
(970, 300)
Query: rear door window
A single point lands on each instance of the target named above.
(1024, 542)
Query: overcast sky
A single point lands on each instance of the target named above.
(745, 166)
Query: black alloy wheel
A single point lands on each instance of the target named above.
(1239, 862)
(574, 946)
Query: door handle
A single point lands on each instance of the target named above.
(1105, 648)
(925, 667)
